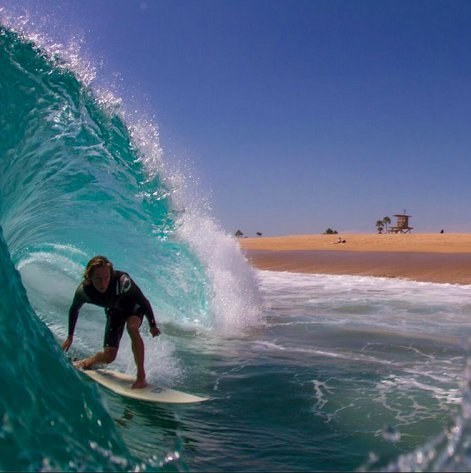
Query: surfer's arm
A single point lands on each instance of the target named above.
(132, 290)
(149, 313)
(79, 299)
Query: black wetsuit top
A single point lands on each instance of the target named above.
(123, 295)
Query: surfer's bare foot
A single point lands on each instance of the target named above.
(139, 384)
(82, 364)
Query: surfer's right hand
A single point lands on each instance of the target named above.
(67, 343)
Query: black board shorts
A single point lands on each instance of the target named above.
(115, 323)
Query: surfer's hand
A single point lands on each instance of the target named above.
(67, 343)
(155, 331)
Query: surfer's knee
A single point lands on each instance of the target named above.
(133, 325)
(110, 354)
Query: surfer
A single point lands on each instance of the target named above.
(124, 304)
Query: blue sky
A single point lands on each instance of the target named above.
(297, 115)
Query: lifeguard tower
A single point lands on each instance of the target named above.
(402, 225)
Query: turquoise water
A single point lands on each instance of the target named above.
(304, 372)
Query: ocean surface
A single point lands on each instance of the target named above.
(303, 372)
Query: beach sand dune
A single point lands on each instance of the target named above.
(443, 258)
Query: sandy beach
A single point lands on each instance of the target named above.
(441, 258)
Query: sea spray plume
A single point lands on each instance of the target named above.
(70, 56)
(77, 434)
(236, 303)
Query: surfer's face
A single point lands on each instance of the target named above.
(101, 278)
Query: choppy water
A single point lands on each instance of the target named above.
(304, 372)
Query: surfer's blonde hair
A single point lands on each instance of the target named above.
(96, 262)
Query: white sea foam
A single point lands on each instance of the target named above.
(400, 305)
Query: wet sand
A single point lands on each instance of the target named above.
(421, 257)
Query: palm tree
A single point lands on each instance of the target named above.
(238, 233)
(386, 221)
(379, 226)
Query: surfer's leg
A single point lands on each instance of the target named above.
(113, 332)
(106, 356)
(133, 323)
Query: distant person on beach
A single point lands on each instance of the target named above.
(124, 304)
(340, 241)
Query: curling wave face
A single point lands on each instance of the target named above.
(77, 180)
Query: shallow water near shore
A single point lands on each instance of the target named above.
(304, 372)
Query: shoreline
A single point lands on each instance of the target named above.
(434, 258)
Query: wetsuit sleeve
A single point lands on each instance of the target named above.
(79, 299)
(148, 311)
(131, 289)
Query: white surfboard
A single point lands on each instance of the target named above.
(120, 383)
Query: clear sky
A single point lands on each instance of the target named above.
(297, 115)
